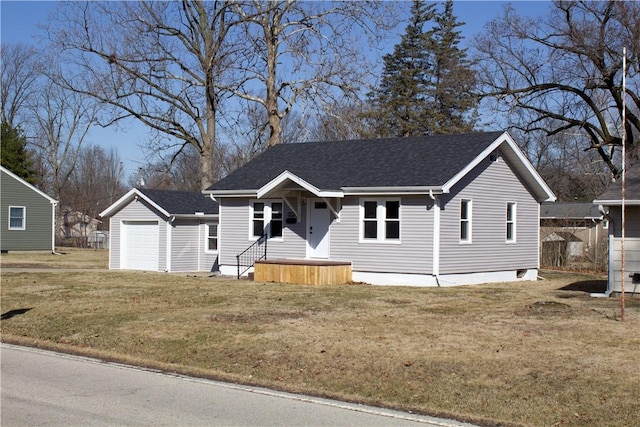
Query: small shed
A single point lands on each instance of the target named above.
(573, 234)
(27, 215)
(163, 230)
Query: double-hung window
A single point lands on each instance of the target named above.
(511, 223)
(17, 218)
(266, 218)
(380, 220)
(465, 221)
(211, 243)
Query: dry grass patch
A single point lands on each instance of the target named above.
(536, 353)
(64, 258)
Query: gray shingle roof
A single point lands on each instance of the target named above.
(181, 202)
(632, 186)
(390, 162)
(569, 211)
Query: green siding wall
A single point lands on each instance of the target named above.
(37, 234)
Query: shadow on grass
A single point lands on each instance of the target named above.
(588, 286)
(11, 313)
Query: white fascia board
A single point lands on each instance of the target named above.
(285, 176)
(31, 187)
(230, 193)
(195, 216)
(119, 204)
(533, 176)
(381, 191)
(632, 202)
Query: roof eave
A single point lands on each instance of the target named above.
(131, 195)
(30, 186)
(401, 190)
(231, 193)
(195, 216)
(632, 202)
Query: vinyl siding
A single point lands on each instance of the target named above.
(185, 245)
(414, 252)
(136, 211)
(490, 186)
(234, 233)
(37, 235)
(188, 246)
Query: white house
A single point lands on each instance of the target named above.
(428, 211)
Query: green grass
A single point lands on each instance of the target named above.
(527, 353)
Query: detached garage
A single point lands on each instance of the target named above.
(163, 230)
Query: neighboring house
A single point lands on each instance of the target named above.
(428, 211)
(162, 230)
(27, 215)
(611, 203)
(573, 235)
(76, 226)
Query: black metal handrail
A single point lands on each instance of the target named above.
(247, 258)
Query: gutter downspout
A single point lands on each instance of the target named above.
(169, 238)
(607, 293)
(436, 237)
(53, 229)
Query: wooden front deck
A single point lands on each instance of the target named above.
(305, 272)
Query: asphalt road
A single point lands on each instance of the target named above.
(41, 388)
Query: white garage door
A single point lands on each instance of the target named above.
(139, 245)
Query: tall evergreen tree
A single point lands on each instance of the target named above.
(13, 152)
(452, 78)
(427, 83)
(398, 104)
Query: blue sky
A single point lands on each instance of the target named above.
(20, 19)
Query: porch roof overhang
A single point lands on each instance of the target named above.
(272, 187)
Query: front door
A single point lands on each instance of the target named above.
(318, 230)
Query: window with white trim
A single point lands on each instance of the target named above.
(17, 218)
(266, 217)
(511, 222)
(380, 220)
(211, 236)
(465, 221)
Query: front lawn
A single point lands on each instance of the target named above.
(532, 353)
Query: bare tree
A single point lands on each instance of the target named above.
(566, 72)
(307, 53)
(183, 174)
(161, 63)
(21, 70)
(342, 121)
(96, 181)
(250, 136)
(61, 120)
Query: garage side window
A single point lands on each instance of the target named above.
(212, 238)
(17, 218)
